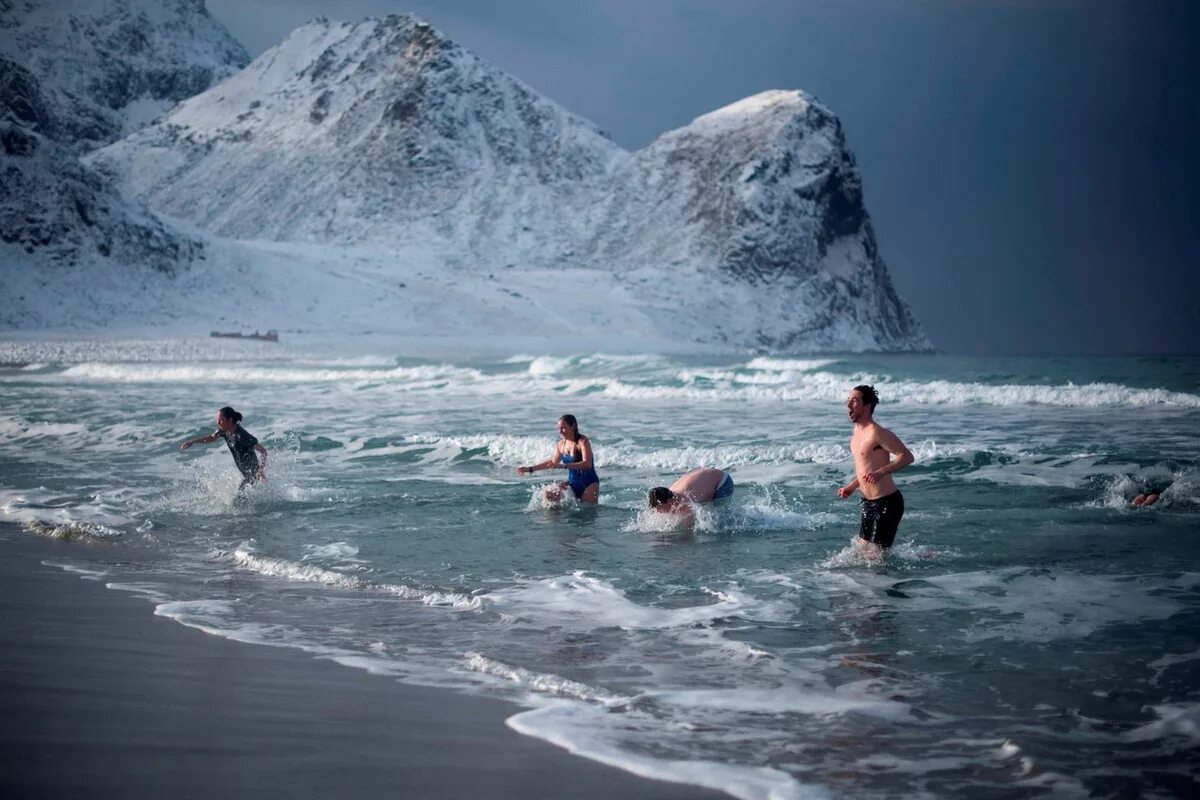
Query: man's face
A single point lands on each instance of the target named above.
(225, 423)
(855, 409)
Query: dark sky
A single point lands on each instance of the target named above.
(1032, 168)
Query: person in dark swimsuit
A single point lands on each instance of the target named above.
(574, 454)
(242, 445)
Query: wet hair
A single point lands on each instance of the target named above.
(869, 397)
(570, 420)
(660, 495)
(228, 413)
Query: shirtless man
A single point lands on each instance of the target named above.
(873, 447)
(703, 485)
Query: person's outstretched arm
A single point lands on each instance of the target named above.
(549, 463)
(212, 437)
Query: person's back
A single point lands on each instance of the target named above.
(701, 485)
(704, 485)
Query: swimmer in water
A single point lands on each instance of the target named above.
(704, 485)
(244, 447)
(1147, 498)
(873, 447)
(574, 454)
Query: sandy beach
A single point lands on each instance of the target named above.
(100, 698)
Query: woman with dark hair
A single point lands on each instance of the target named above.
(574, 454)
(244, 447)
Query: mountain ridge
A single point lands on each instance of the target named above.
(745, 228)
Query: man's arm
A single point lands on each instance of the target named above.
(848, 489)
(901, 455)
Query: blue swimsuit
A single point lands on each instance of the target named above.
(578, 479)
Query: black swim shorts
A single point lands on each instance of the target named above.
(881, 518)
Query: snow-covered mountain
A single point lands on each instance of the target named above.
(107, 67)
(75, 75)
(746, 227)
(395, 167)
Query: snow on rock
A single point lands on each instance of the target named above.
(75, 75)
(379, 178)
(112, 65)
(379, 131)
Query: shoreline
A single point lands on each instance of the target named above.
(102, 698)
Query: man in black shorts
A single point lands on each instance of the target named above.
(873, 447)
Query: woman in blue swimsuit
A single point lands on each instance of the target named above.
(574, 454)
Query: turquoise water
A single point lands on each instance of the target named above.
(1030, 633)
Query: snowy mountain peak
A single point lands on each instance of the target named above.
(755, 110)
(437, 190)
(372, 131)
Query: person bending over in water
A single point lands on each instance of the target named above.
(703, 485)
(1147, 498)
(244, 447)
(574, 454)
(873, 447)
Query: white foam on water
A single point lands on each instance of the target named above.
(815, 700)
(589, 731)
(422, 377)
(766, 363)
(1172, 660)
(151, 591)
(1038, 606)
(544, 683)
(23, 430)
(218, 618)
(826, 387)
(374, 665)
(548, 365)
(1174, 720)
(72, 531)
(344, 552)
(501, 448)
(581, 602)
(649, 520)
(44, 509)
(513, 451)
(738, 652)
(769, 512)
(550, 496)
(87, 573)
(288, 570)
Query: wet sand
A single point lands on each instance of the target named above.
(100, 698)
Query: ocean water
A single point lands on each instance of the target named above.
(1029, 634)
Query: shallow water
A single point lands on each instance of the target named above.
(1029, 632)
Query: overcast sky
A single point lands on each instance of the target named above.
(1032, 168)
